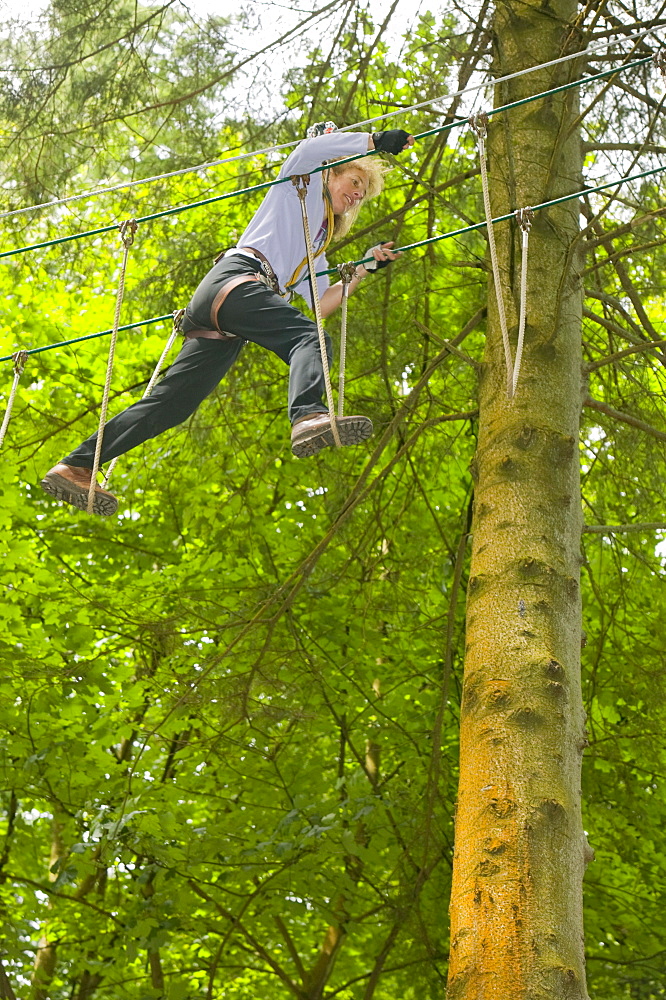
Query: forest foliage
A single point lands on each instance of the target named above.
(229, 715)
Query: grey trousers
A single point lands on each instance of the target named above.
(253, 313)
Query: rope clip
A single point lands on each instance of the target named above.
(19, 358)
(479, 124)
(347, 271)
(525, 217)
(659, 59)
(178, 319)
(128, 230)
(300, 182)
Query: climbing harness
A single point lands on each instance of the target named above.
(127, 231)
(479, 125)
(19, 358)
(524, 217)
(300, 182)
(176, 329)
(347, 272)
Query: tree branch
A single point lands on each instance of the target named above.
(625, 418)
(611, 529)
(612, 358)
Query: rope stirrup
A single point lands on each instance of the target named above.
(19, 358)
(128, 230)
(300, 182)
(347, 272)
(524, 217)
(176, 329)
(479, 125)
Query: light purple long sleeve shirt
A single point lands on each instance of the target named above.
(276, 229)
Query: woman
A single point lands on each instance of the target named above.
(241, 299)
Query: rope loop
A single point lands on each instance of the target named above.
(300, 182)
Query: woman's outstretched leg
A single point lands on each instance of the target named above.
(197, 370)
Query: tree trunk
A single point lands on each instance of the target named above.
(516, 905)
(46, 956)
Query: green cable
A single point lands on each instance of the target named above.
(92, 336)
(409, 246)
(349, 159)
(510, 215)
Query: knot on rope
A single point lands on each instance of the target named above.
(525, 217)
(19, 358)
(178, 319)
(479, 124)
(128, 230)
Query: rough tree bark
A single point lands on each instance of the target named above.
(516, 909)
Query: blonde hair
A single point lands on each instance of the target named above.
(373, 170)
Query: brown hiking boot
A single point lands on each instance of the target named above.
(310, 435)
(72, 484)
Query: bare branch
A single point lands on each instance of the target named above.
(633, 147)
(612, 358)
(611, 529)
(625, 418)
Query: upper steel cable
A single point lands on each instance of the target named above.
(126, 185)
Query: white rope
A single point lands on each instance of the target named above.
(347, 272)
(347, 128)
(524, 216)
(177, 317)
(479, 124)
(19, 358)
(127, 231)
(301, 182)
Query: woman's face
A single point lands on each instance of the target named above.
(346, 189)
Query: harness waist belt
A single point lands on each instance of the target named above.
(215, 333)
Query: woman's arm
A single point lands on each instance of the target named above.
(332, 297)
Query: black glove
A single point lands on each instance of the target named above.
(392, 141)
(373, 264)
